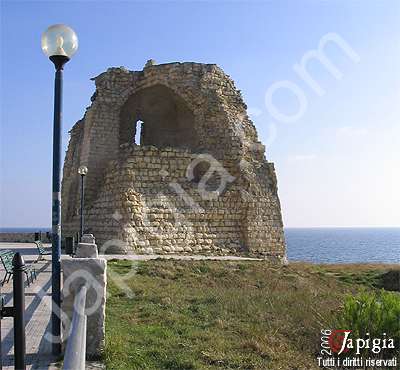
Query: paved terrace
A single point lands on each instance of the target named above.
(38, 305)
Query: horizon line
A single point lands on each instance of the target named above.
(285, 227)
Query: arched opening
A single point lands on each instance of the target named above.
(139, 129)
(161, 116)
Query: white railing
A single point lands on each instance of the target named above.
(75, 353)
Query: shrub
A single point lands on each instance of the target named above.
(373, 313)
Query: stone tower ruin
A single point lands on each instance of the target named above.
(175, 166)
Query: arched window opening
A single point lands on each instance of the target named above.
(169, 121)
(139, 130)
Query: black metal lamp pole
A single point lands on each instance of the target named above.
(59, 61)
(82, 170)
(59, 43)
(82, 198)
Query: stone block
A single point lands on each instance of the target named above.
(88, 238)
(91, 272)
(86, 250)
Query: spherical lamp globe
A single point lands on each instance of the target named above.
(82, 170)
(59, 40)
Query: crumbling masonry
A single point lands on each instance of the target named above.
(196, 180)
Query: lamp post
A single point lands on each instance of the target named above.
(82, 170)
(59, 43)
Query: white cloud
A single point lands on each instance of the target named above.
(349, 131)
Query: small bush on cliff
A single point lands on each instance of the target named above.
(370, 315)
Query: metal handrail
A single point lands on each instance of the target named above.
(75, 353)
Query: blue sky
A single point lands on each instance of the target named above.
(337, 165)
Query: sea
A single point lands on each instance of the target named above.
(327, 245)
(24, 229)
(343, 245)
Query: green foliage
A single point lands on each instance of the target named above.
(375, 313)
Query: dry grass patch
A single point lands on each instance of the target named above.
(221, 314)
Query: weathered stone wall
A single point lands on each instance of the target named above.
(199, 183)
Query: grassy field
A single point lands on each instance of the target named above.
(225, 315)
